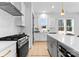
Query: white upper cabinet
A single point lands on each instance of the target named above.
(20, 20)
(23, 11)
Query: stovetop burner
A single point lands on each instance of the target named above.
(13, 37)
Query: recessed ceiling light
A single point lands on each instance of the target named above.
(52, 6)
(43, 11)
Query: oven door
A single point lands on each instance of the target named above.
(23, 51)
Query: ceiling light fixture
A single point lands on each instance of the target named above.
(52, 6)
(62, 10)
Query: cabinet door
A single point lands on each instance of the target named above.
(20, 20)
(43, 36)
(49, 44)
(36, 36)
(48, 41)
(9, 52)
(23, 11)
(52, 46)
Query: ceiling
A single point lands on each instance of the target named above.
(39, 7)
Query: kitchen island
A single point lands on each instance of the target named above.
(72, 42)
(7, 48)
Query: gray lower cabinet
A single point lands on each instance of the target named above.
(52, 46)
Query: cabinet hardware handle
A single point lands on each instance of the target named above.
(6, 53)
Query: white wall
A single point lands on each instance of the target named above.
(51, 21)
(51, 25)
(53, 18)
(26, 19)
(36, 20)
(7, 24)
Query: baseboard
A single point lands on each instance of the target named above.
(40, 41)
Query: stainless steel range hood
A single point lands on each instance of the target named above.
(11, 9)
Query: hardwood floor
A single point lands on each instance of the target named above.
(39, 49)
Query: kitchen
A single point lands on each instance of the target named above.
(28, 26)
(14, 35)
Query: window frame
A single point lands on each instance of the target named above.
(65, 26)
(72, 25)
(61, 26)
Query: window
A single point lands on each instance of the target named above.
(69, 25)
(43, 23)
(66, 25)
(60, 25)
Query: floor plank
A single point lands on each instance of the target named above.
(39, 49)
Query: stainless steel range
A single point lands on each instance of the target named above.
(22, 41)
(23, 46)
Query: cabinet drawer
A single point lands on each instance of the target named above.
(12, 48)
(12, 55)
(5, 53)
(8, 51)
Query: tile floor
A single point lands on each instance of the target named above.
(39, 49)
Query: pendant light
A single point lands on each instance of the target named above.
(62, 10)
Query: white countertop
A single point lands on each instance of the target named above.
(70, 41)
(5, 44)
